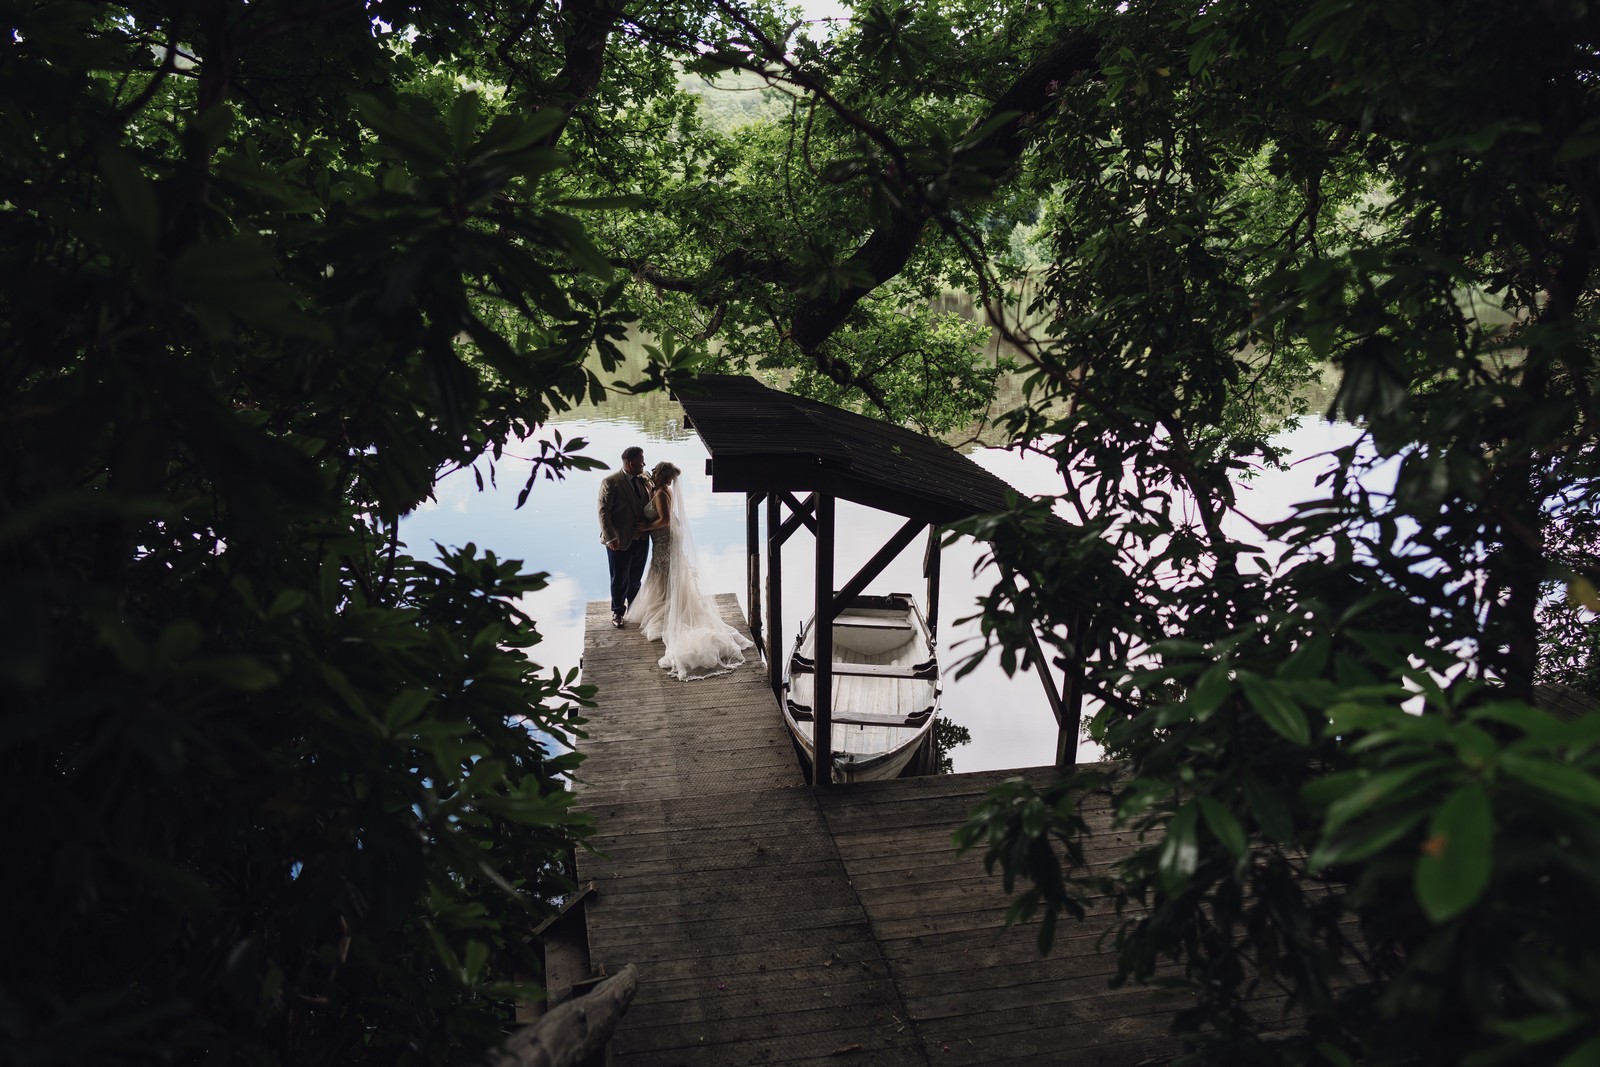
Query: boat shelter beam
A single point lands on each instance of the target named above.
(799, 512)
(874, 566)
(930, 570)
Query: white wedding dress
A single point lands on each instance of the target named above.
(670, 607)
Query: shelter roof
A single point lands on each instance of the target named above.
(763, 440)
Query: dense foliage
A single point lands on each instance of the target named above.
(285, 794)
(1329, 748)
(1365, 840)
(278, 792)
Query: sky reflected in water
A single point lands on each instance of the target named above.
(557, 531)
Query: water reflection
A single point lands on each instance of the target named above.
(557, 531)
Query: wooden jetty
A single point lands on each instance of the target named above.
(774, 923)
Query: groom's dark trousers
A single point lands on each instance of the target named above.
(627, 572)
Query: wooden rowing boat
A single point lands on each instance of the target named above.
(886, 689)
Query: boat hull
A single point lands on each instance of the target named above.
(885, 694)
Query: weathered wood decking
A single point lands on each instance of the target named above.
(773, 924)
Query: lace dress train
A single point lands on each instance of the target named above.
(671, 609)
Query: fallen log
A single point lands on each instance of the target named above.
(571, 1032)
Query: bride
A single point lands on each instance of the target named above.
(669, 605)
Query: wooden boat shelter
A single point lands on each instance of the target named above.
(798, 457)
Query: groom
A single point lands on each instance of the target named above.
(623, 496)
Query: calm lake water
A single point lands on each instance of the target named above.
(557, 531)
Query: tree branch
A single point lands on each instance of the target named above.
(1007, 129)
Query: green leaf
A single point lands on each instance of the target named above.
(1335, 1055)
(532, 162)
(447, 956)
(246, 673)
(406, 707)
(512, 133)
(1209, 691)
(1374, 788)
(420, 138)
(1560, 780)
(1349, 716)
(1581, 144)
(1364, 840)
(477, 955)
(1536, 1029)
(176, 884)
(179, 640)
(1223, 825)
(1269, 810)
(1307, 661)
(1453, 870)
(1276, 708)
(575, 240)
(236, 275)
(132, 194)
(1531, 721)
(1180, 851)
(1483, 139)
(1474, 746)
(463, 121)
(287, 603)
(1585, 1055)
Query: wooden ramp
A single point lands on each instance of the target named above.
(775, 925)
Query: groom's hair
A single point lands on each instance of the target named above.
(632, 452)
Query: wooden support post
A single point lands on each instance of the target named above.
(1066, 746)
(752, 551)
(1071, 696)
(1065, 710)
(775, 656)
(822, 649)
(930, 568)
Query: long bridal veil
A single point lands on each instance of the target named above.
(672, 608)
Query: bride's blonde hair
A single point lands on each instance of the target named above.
(664, 473)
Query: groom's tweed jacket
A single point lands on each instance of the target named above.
(621, 509)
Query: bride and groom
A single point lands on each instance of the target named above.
(637, 512)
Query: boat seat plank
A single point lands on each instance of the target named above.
(872, 670)
(866, 623)
(909, 722)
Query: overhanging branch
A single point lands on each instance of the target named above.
(1006, 130)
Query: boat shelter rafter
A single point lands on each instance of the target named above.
(795, 458)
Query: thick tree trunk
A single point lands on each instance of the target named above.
(1519, 568)
(587, 27)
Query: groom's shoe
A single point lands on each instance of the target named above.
(616, 620)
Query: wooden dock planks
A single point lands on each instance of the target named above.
(977, 992)
(718, 878)
(773, 924)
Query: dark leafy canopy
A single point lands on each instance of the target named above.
(1347, 795)
(277, 792)
(271, 266)
(1233, 192)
